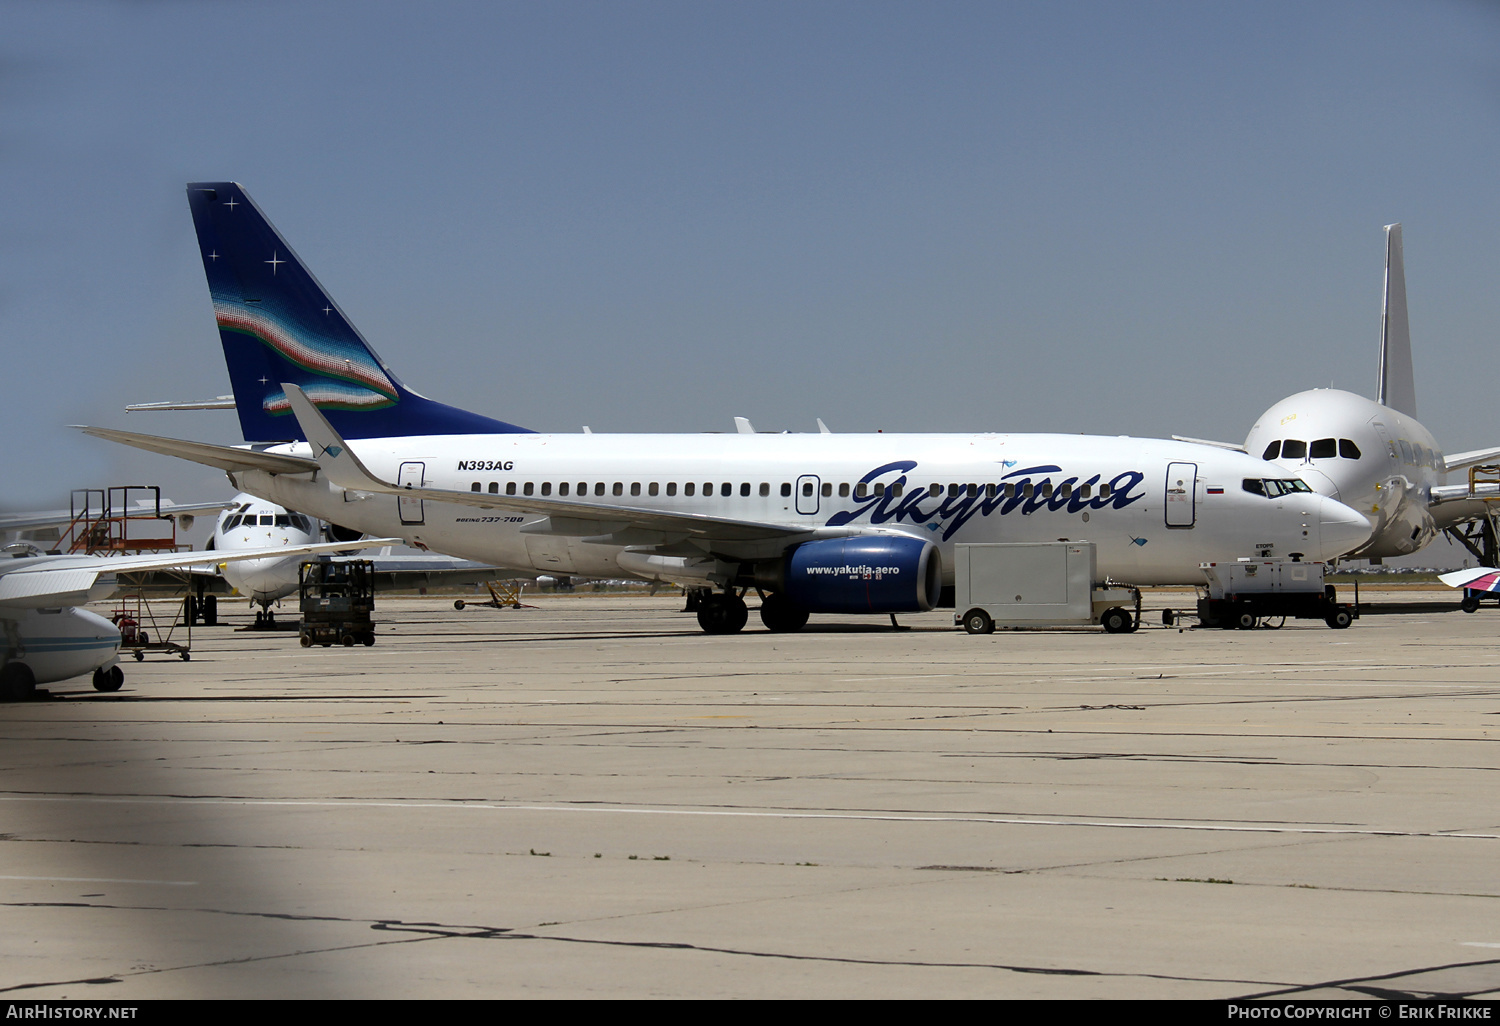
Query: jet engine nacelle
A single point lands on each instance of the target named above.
(868, 574)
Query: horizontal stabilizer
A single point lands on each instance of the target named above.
(225, 457)
(223, 402)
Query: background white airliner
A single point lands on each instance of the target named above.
(253, 523)
(1373, 454)
(815, 523)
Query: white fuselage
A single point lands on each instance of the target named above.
(1388, 474)
(1154, 508)
(252, 523)
(60, 642)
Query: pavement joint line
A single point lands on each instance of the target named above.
(768, 814)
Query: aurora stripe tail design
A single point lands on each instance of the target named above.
(279, 326)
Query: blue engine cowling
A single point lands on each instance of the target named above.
(869, 574)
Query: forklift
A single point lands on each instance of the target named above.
(337, 597)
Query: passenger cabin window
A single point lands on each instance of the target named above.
(880, 489)
(619, 488)
(526, 488)
(807, 488)
(844, 490)
(786, 489)
(765, 489)
(635, 488)
(598, 487)
(745, 490)
(861, 490)
(546, 487)
(562, 488)
(1323, 449)
(672, 488)
(726, 489)
(1293, 449)
(652, 490)
(1273, 450)
(510, 488)
(1104, 491)
(827, 490)
(935, 490)
(474, 487)
(689, 488)
(494, 487)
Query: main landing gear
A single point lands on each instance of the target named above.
(722, 614)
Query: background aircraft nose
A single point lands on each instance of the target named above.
(1341, 528)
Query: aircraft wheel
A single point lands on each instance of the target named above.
(781, 614)
(108, 680)
(977, 621)
(458, 603)
(190, 610)
(17, 683)
(210, 610)
(723, 614)
(1470, 604)
(1246, 621)
(1339, 619)
(1117, 621)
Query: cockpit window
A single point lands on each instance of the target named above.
(1323, 449)
(1273, 450)
(1274, 488)
(1348, 449)
(231, 523)
(283, 520)
(1293, 449)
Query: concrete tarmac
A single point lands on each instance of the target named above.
(593, 799)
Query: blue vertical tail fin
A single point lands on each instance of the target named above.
(278, 326)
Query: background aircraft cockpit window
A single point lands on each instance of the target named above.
(231, 523)
(268, 520)
(1293, 449)
(1273, 450)
(1406, 454)
(283, 520)
(1323, 449)
(1348, 449)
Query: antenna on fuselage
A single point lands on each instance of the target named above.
(1397, 387)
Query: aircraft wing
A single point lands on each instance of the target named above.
(59, 517)
(43, 581)
(1232, 446)
(225, 457)
(345, 469)
(1476, 578)
(1473, 458)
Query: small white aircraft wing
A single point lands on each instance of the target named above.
(1478, 578)
(345, 469)
(1465, 460)
(225, 457)
(39, 581)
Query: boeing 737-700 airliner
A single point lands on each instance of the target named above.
(814, 523)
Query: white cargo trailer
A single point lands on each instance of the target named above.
(1037, 584)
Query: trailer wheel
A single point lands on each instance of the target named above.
(139, 655)
(186, 656)
(1246, 621)
(369, 638)
(977, 621)
(347, 641)
(458, 603)
(1470, 604)
(1117, 621)
(306, 640)
(1339, 619)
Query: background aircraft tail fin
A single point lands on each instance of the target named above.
(1397, 385)
(277, 324)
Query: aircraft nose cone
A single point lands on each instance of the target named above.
(1341, 528)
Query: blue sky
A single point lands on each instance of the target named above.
(1143, 218)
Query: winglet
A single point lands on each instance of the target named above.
(333, 454)
(1397, 386)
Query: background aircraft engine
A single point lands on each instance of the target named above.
(865, 575)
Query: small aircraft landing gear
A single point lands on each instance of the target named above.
(108, 679)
